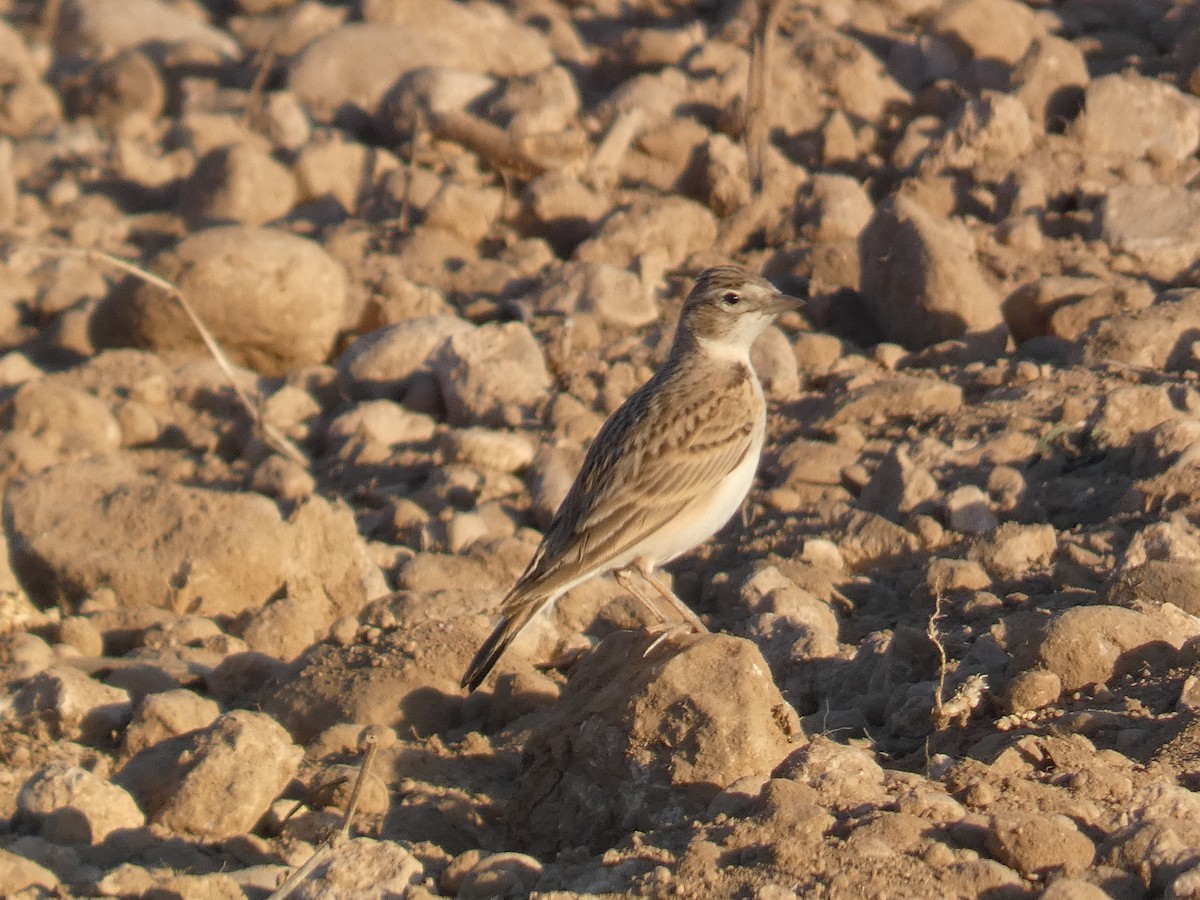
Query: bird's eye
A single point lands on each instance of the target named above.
(731, 298)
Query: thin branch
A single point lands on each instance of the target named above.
(940, 719)
(369, 743)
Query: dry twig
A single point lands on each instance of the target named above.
(369, 743)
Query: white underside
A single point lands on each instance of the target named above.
(694, 525)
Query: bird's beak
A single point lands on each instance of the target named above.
(783, 303)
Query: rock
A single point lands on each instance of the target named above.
(900, 397)
(1131, 410)
(382, 422)
(499, 450)
(274, 301)
(82, 526)
(215, 783)
(970, 27)
(846, 779)
(837, 207)
(342, 170)
(80, 633)
(613, 294)
(856, 79)
(921, 279)
(465, 211)
(492, 375)
(635, 743)
(71, 422)
(73, 706)
(237, 184)
(18, 875)
(1159, 581)
(428, 91)
(791, 623)
(967, 511)
(672, 225)
(898, 486)
(1035, 844)
(408, 677)
(987, 136)
(1086, 645)
(1032, 690)
(1163, 849)
(500, 874)
(74, 806)
(562, 209)
(869, 540)
(1014, 549)
(1156, 224)
(287, 626)
(381, 363)
(1073, 889)
(104, 26)
(363, 869)
(355, 64)
(1130, 116)
(167, 715)
(1153, 337)
(1049, 80)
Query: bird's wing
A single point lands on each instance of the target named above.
(660, 452)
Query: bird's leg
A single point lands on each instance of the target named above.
(690, 618)
(623, 579)
(663, 630)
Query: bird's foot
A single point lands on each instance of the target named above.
(669, 631)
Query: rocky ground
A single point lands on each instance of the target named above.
(957, 626)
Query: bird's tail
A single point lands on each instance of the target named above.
(504, 634)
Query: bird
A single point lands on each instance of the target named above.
(667, 469)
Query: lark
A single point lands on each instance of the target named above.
(667, 470)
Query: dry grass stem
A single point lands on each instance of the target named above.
(254, 97)
(940, 718)
(369, 743)
(758, 125)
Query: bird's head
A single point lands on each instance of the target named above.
(729, 307)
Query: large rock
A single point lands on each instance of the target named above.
(355, 65)
(214, 783)
(1090, 644)
(238, 183)
(491, 375)
(73, 706)
(1132, 116)
(381, 363)
(613, 294)
(274, 301)
(675, 226)
(636, 743)
(81, 526)
(1157, 337)
(1157, 224)
(106, 26)
(71, 805)
(921, 279)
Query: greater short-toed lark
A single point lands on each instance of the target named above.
(667, 469)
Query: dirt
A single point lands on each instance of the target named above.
(956, 636)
